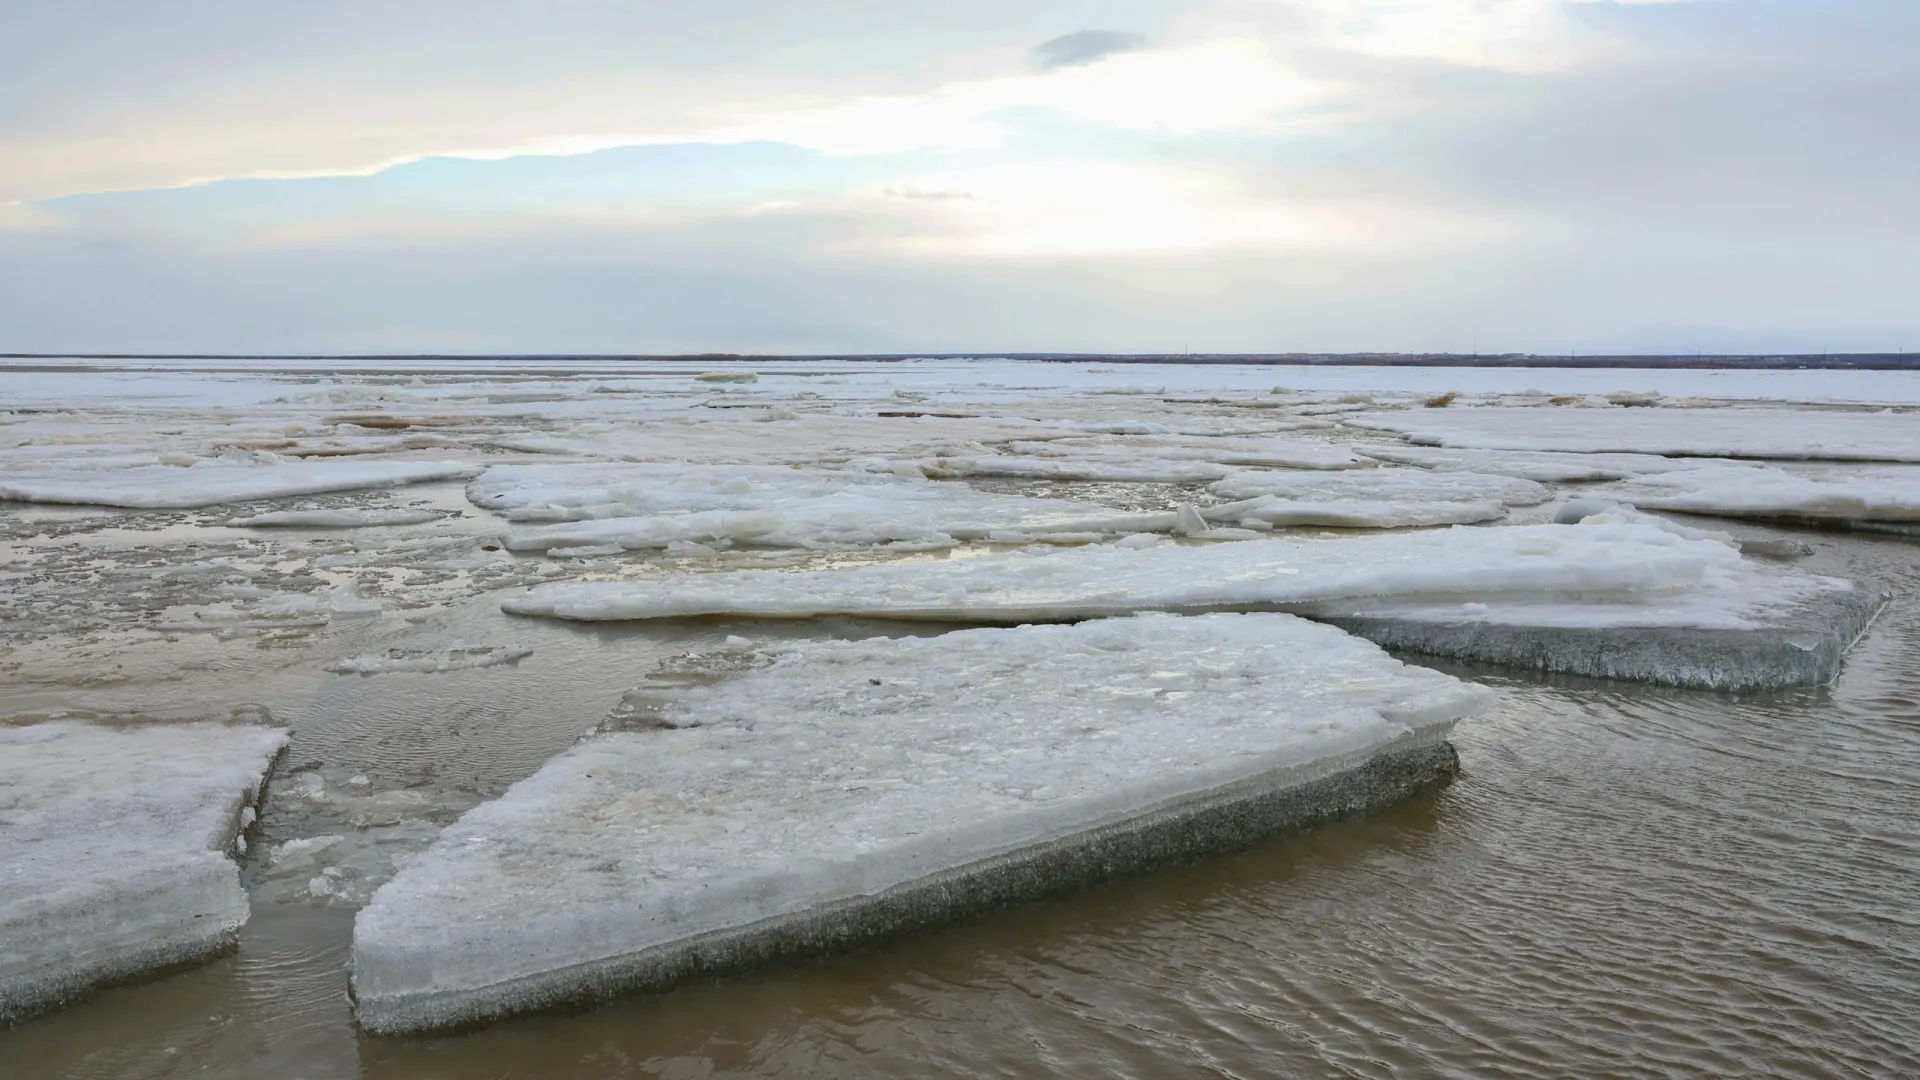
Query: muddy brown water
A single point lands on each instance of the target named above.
(1624, 882)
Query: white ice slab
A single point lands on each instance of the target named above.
(1113, 469)
(1546, 466)
(215, 481)
(334, 519)
(839, 775)
(116, 848)
(1741, 433)
(635, 506)
(1384, 483)
(1877, 496)
(1272, 452)
(581, 491)
(1117, 579)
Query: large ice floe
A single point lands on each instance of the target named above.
(116, 850)
(838, 792)
(1887, 497)
(1123, 578)
(1167, 459)
(1728, 432)
(1546, 466)
(213, 481)
(1371, 498)
(1614, 596)
(634, 506)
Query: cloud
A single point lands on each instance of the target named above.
(1083, 47)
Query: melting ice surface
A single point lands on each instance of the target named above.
(833, 771)
(1125, 578)
(1688, 432)
(211, 481)
(117, 845)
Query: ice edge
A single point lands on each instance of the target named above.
(1229, 816)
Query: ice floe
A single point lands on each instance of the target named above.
(334, 519)
(1888, 496)
(1120, 579)
(844, 791)
(1727, 432)
(1546, 466)
(212, 481)
(116, 850)
(1371, 498)
(1147, 459)
(620, 507)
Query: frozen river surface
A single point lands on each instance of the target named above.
(1624, 881)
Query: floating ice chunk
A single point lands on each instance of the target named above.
(1277, 453)
(1374, 498)
(1133, 470)
(334, 519)
(1114, 580)
(1377, 484)
(214, 482)
(453, 658)
(1740, 433)
(1745, 628)
(806, 511)
(850, 790)
(1547, 466)
(1888, 496)
(114, 843)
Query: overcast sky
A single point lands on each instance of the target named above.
(998, 175)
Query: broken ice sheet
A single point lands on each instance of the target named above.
(838, 771)
(1809, 434)
(212, 481)
(117, 845)
(1120, 579)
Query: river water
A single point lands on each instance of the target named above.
(1624, 882)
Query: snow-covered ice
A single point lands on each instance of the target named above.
(334, 519)
(1546, 466)
(843, 791)
(1882, 496)
(212, 481)
(116, 845)
(1727, 432)
(1286, 453)
(1145, 459)
(633, 506)
(1113, 468)
(1371, 498)
(1121, 579)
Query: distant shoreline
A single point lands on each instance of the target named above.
(1744, 362)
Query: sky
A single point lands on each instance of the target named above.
(588, 176)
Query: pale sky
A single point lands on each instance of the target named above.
(887, 176)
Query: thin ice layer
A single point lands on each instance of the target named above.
(334, 519)
(1881, 495)
(214, 481)
(822, 789)
(634, 506)
(1410, 484)
(1119, 579)
(1286, 453)
(1370, 498)
(1545, 466)
(1741, 433)
(115, 845)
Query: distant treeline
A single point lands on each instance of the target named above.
(1856, 361)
